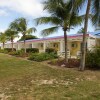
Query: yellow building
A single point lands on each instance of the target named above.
(74, 43)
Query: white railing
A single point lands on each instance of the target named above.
(62, 54)
(79, 54)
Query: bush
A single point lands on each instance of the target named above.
(42, 56)
(2, 51)
(51, 50)
(19, 53)
(9, 49)
(93, 58)
(32, 50)
(12, 53)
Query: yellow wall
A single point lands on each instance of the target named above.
(98, 42)
(73, 50)
(56, 46)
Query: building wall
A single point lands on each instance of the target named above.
(91, 42)
(75, 47)
(98, 42)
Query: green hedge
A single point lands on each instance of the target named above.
(42, 56)
(9, 49)
(2, 51)
(51, 50)
(32, 50)
(18, 52)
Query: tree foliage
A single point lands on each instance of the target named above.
(62, 15)
(28, 37)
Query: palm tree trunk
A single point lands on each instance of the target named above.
(24, 43)
(12, 44)
(3, 45)
(66, 48)
(82, 65)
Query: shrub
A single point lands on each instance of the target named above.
(51, 50)
(17, 53)
(42, 56)
(12, 53)
(32, 50)
(2, 51)
(10, 49)
(93, 58)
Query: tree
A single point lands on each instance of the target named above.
(11, 35)
(3, 38)
(62, 15)
(20, 25)
(82, 66)
(94, 7)
(28, 37)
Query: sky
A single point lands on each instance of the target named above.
(29, 9)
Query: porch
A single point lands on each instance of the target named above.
(74, 47)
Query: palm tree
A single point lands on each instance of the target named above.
(94, 7)
(3, 38)
(82, 66)
(11, 34)
(20, 25)
(61, 16)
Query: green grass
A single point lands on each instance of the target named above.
(26, 80)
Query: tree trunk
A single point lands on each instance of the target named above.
(66, 48)
(82, 64)
(24, 43)
(3, 45)
(12, 44)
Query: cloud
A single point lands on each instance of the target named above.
(3, 12)
(2, 29)
(32, 8)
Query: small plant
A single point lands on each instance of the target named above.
(54, 61)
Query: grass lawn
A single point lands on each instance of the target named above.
(25, 80)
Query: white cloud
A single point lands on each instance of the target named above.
(3, 12)
(27, 7)
(2, 30)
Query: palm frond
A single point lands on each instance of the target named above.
(14, 26)
(46, 20)
(77, 5)
(30, 30)
(21, 24)
(11, 34)
(96, 13)
(3, 37)
(76, 20)
(49, 31)
(50, 5)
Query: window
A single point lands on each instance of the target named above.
(74, 45)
